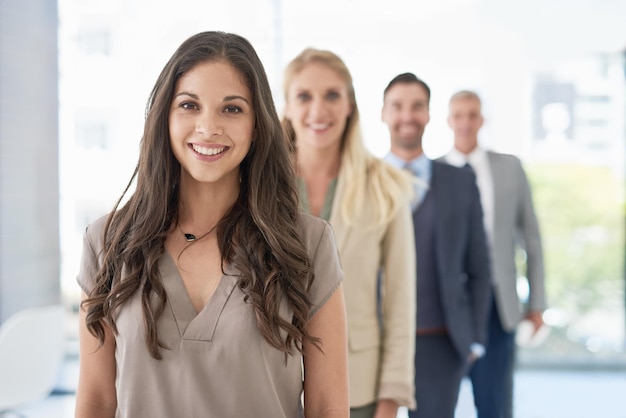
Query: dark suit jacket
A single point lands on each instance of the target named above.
(463, 262)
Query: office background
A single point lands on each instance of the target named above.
(75, 76)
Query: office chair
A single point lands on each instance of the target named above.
(31, 355)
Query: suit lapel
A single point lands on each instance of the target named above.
(441, 217)
(439, 197)
(497, 177)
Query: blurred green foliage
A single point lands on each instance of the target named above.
(581, 215)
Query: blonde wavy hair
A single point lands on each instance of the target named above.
(368, 177)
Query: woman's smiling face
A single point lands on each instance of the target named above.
(318, 106)
(211, 122)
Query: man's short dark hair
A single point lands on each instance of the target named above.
(407, 78)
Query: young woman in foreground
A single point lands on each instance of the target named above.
(207, 294)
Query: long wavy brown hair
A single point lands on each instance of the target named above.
(257, 235)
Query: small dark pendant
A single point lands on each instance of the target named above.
(190, 237)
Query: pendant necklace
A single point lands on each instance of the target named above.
(191, 237)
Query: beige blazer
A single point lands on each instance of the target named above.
(381, 359)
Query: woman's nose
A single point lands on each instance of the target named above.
(317, 107)
(209, 125)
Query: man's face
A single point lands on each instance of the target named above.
(465, 120)
(406, 113)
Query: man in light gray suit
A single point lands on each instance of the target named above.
(510, 221)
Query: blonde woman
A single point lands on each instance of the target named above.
(367, 202)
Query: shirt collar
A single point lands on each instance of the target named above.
(421, 165)
(457, 158)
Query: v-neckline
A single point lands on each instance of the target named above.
(194, 325)
(329, 198)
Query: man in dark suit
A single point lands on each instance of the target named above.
(510, 223)
(453, 270)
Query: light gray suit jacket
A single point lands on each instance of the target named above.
(515, 224)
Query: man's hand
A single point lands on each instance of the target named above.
(536, 318)
(476, 351)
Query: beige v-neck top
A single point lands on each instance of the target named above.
(217, 363)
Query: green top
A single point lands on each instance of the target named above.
(328, 201)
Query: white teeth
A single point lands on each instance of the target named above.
(319, 125)
(207, 151)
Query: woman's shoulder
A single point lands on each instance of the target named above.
(95, 229)
(317, 234)
(321, 246)
(395, 184)
(93, 243)
(311, 228)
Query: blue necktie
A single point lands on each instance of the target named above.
(419, 191)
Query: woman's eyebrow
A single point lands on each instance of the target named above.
(235, 97)
(226, 98)
(186, 93)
